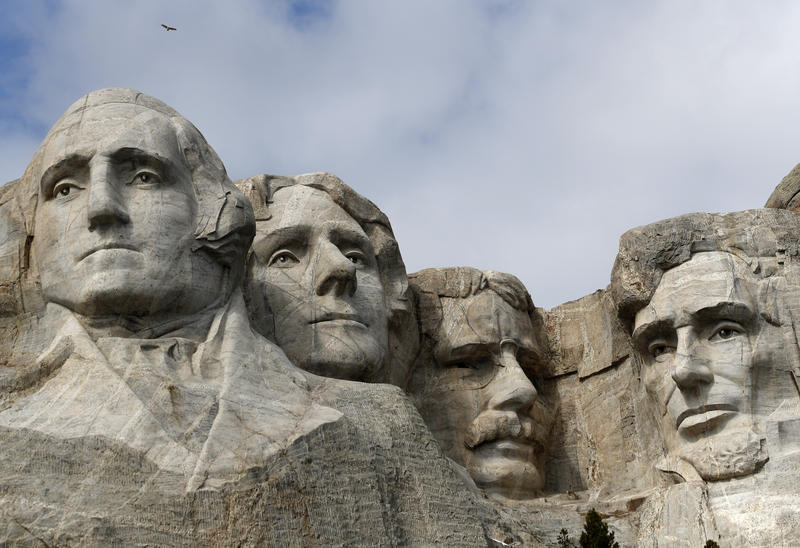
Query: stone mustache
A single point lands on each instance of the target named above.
(191, 360)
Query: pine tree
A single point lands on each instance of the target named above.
(595, 533)
(711, 544)
(564, 540)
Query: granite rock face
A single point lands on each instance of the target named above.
(711, 301)
(187, 360)
(141, 407)
(324, 253)
(474, 381)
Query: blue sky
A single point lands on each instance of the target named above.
(523, 136)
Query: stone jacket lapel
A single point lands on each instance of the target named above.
(209, 411)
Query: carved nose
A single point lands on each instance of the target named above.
(105, 205)
(336, 274)
(689, 371)
(513, 390)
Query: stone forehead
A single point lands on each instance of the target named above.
(709, 265)
(307, 205)
(103, 114)
(92, 113)
(647, 252)
(706, 279)
(485, 311)
(106, 114)
(107, 123)
(484, 318)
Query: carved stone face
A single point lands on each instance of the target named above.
(316, 270)
(477, 398)
(698, 338)
(116, 215)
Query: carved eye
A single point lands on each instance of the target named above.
(146, 178)
(660, 349)
(356, 257)
(726, 331)
(65, 188)
(472, 373)
(474, 364)
(656, 351)
(283, 259)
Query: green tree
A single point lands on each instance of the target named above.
(564, 540)
(595, 533)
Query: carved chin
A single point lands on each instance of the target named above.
(349, 358)
(731, 455)
(506, 477)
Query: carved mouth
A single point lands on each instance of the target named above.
(107, 247)
(703, 416)
(510, 448)
(344, 317)
(517, 434)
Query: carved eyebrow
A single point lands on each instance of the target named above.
(726, 310)
(264, 246)
(142, 157)
(465, 351)
(58, 169)
(350, 235)
(735, 311)
(651, 329)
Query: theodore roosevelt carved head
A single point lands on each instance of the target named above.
(475, 381)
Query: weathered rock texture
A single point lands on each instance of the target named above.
(712, 302)
(325, 279)
(787, 194)
(139, 405)
(189, 361)
(472, 382)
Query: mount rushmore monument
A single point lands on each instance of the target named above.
(189, 360)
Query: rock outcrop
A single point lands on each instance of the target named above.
(185, 360)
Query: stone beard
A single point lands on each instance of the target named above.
(477, 397)
(699, 338)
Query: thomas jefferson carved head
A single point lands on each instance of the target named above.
(134, 213)
(325, 279)
(706, 298)
(474, 380)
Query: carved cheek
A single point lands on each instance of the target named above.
(733, 361)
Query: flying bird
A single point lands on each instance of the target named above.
(166, 28)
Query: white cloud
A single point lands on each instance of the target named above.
(518, 136)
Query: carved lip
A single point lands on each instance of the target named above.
(510, 448)
(337, 316)
(502, 434)
(701, 416)
(103, 247)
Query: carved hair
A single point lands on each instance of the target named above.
(767, 240)
(403, 337)
(461, 282)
